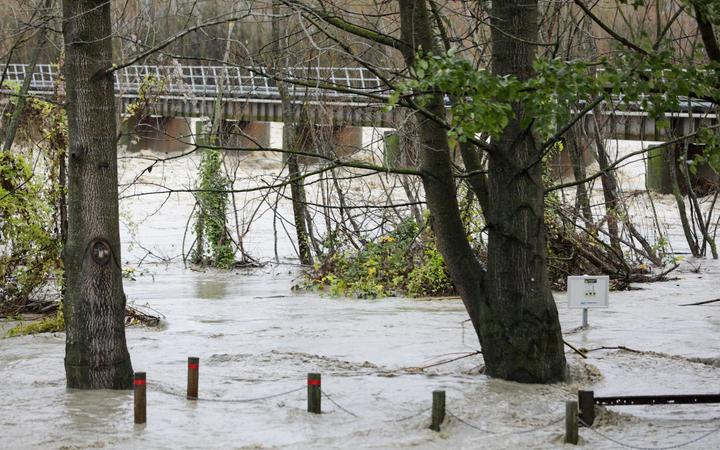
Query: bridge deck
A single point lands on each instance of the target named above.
(337, 95)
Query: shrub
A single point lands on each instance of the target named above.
(404, 261)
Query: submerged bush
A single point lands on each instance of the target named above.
(404, 261)
(29, 249)
(49, 324)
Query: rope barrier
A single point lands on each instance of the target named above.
(634, 447)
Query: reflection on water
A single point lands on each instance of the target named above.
(94, 410)
(213, 289)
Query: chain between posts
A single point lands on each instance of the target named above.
(634, 447)
(484, 430)
(230, 400)
(616, 441)
(327, 396)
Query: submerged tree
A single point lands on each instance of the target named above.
(96, 354)
(509, 302)
(213, 245)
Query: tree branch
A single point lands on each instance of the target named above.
(624, 41)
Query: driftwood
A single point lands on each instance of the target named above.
(143, 315)
(574, 249)
(419, 369)
(575, 349)
(134, 314)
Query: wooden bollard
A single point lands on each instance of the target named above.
(193, 377)
(438, 410)
(571, 422)
(140, 385)
(314, 392)
(586, 402)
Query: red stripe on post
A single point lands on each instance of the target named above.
(313, 382)
(193, 366)
(139, 382)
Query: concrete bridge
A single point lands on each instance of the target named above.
(340, 99)
(340, 96)
(328, 95)
(343, 99)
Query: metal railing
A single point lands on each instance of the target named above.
(230, 81)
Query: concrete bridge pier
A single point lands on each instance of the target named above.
(348, 141)
(159, 134)
(705, 180)
(245, 134)
(332, 141)
(235, 133)
(401, 144)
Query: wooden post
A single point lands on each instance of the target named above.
(139, 384)
(438, 410)
(314, 393)
(193, 377)
(586, 400)
(571, 422)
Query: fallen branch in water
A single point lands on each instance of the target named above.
(140, 315)
(618, 347)
(702, 303)
(421, 368)
(134, 314)
(579, 352)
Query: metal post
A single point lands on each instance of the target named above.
(585, 317)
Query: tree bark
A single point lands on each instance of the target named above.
(96, 355)
(525, 343)
(510, 305)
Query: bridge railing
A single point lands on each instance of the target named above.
(231, 81)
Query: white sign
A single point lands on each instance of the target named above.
(588, 291)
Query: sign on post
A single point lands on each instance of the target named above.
(588, 291)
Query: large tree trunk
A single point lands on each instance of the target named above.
(96, 355)
(525, 342)
(511, 306)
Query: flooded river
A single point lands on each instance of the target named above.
(257, 340)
